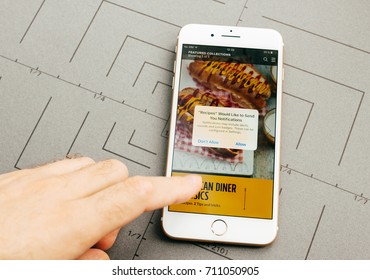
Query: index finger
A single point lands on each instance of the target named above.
(121, 203)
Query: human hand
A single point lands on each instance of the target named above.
(61, 210)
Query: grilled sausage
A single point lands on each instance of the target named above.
(247, 86)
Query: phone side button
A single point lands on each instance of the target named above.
(173, 80)
(219, 227)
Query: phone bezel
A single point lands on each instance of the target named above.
(193, 226)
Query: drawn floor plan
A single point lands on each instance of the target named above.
(93, 77)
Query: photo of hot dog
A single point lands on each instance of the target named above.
(247, 86)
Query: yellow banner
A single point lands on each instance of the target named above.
(230, 196)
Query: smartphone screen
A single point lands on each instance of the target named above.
(225, 129)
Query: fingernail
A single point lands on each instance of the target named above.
(196, 179)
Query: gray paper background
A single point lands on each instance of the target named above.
(94, 77)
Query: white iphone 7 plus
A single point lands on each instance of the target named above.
(225, 126)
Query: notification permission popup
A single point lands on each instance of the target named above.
(224, 127)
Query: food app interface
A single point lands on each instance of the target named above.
(225, 129)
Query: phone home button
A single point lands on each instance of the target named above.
(219, 227)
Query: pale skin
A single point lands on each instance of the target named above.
(74, 208)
